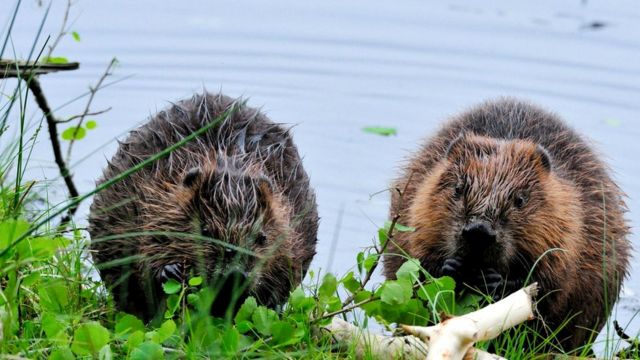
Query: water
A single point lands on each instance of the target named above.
(334, 67)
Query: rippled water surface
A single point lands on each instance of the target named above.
(334, 67)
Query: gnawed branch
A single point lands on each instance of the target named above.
(453, 338)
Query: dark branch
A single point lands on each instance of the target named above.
(26, 70)
(36, 90)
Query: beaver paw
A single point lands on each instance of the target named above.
(172, 271)
(493, 283)
(490, 282)
(452, 267)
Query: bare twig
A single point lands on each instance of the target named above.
(63, 30)
(94, 113)
(87, 109)
(381, 251)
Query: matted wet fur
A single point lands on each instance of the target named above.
(241, 182)
(495, 189)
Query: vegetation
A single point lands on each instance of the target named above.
(53, 306)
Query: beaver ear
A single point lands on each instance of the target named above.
(544, 157)
(454, 146)
(191, 177)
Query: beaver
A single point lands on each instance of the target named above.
(234, 205)
(507, 193)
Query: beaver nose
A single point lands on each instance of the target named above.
(232, 292)
(479, 234)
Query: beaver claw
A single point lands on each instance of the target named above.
(452, 267)
(172, 271)
(493, 283)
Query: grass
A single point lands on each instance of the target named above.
(52, 305)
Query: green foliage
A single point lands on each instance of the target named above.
(89, 339)
(171, 287)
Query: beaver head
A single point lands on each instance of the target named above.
(242, 223)
(495, 204)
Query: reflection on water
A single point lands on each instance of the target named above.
(334, 67)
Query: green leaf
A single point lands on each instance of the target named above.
(398, 227)
(192, 299)
(31, 279)
(440, 293)
(466, 304)
(134, 340)
(166, 330)
(246, 310)
(171, 287)
(61, 354)
(380, 130)
(395, 292)
(230, 341)
(128, 324)
(360, 260)
(147, 351)
(74, 133)
(382, 237)
(371, 260)
(300, 302)
(409, 271)
(195, 281)
(91, 124)
(41, 248)
(54, 295)
(402, 228)
(76, 36)
(244, 326)
(328, 287)
(89, 338)
(350, 282)
(263, 318)
(52, 324)
(371, 308)
(56, 60)
(414, 313)
(333, 304)
(173, 303)
(283, 333)
(11, 230)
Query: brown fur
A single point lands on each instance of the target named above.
(240, 180)
(498, 152)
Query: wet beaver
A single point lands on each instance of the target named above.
(499, 187)
(233, 205)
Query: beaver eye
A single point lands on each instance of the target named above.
(458, 190)
(519, 200)
(261, 239)
(205, 231)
